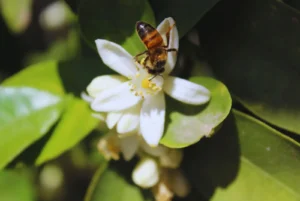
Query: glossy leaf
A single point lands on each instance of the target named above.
(109, 185)
(17, 14)
(63, 78)
(75, 124)
(190, 123)
(15, 187)
(245, 159)
(186, 13)
(257, 56)
(59, 77)
(26, 115)
(114, 20)
(44, 75)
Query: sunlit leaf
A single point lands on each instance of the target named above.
(26, 115)
(63, 78)
(75, 124)
(44, 75)
(59, 77)
(189, 124)
(15, 186)
(257, 57)
(114, 20)
(245, 159)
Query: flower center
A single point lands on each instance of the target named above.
(143, 84)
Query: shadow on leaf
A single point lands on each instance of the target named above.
(214, 162)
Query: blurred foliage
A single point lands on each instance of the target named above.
(17, 14)
(15, 186)
(253, 47)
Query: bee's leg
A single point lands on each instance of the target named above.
(143, 62)
(168, 35)
(140, 54)
(168, 41)
(152, 77)
(172, 50)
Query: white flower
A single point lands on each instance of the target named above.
(133, 101)
(146, 173)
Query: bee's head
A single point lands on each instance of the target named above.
(160, 64)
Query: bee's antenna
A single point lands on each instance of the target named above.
(155, 76)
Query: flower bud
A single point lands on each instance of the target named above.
(109, 146)
(171, 158)
(146, 173)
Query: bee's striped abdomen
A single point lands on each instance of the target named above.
(149, 35)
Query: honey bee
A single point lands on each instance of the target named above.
(157, 50)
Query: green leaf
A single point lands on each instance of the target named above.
(257, 57)
(109, 185)
(76, 123)
(63, 78)
(17, 14)
(262, 185)
(190, 123)
(114, 20)
(26, 115)
(186, 13)
(15, 187)
(44, 76)
(59, 77)
(245, 159)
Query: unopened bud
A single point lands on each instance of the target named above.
(109, 146)
(171, 158)
(146, 173)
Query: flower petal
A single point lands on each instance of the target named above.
(130, 120)
(115, 99)
(116, 57)
(158, 151)
(103, 82)
(146, 173)
(153, 118)
(86, 97)
(163, 28)
(186, 91)
(100, 116)
(112, 119)
(129, 146)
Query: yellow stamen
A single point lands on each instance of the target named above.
(154, 88)
(146, 83)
